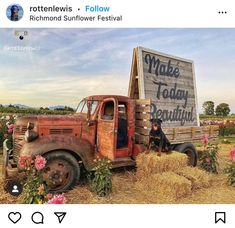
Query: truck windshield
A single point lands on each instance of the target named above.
(93, 106)
(82, 107)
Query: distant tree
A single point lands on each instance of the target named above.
(11, 106)
(46, 108)
(222, 109)
(67, 108)
(41, 108)
(208, 107)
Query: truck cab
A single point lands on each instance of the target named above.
(109, 124)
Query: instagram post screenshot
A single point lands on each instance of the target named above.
(117, 113)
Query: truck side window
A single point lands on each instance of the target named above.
(108, 111)
(122, 112)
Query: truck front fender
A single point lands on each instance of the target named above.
(79, 148)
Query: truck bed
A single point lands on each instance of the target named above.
(175, 135)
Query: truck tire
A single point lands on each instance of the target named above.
(62, 171)
(190, 151)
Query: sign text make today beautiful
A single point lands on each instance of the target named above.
(180, 113)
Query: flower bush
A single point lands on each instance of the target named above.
(205, 140)
(230, 170)
(35, 188)
(57, 199)
(101, 183)
(232, 155)
(209, 158)
(6, 128)
(226, 126)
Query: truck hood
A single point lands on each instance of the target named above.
(50, 120)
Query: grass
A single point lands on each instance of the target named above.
(229, 138)
(126, 192)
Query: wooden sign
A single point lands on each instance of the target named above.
(169, 82)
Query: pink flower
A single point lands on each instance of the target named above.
(232, 154)
(39, 162)
(58, 199)
(205, 140)
(10, 128)
(24, 162)
(208, 159)
(49, 196)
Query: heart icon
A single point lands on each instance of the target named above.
(14, 217)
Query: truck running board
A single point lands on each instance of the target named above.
(122, 162)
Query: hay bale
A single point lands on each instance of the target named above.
(148, 164)
(198, 177)
(167, 185)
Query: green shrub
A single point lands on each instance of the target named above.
(225, 141)
(230, 170)
(209, 158)
(101, 183)
(226, 130)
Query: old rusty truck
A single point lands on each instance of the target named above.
(111, 126)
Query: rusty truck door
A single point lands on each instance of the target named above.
(107, 128)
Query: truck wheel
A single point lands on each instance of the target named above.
(62, 171)
(190, 151)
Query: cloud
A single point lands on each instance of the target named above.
(66, 89)
(73, 63)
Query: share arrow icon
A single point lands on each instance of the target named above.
(60, 216)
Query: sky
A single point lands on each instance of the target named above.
(61, 66)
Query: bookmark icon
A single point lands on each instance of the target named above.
(60, 216)
(220, 217)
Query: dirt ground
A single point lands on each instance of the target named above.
(125, 192)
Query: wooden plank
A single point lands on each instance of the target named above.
(179, 135)
(140, 116)
(142, 131)
(168, 130)
(133, 91)
(143, 102)
(140, 108)
(140, 123)
(141, 139)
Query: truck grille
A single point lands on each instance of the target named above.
(20, 130)
(16, 149)
(61, 131)
(18, 137)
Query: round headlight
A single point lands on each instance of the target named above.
(30, 126)
(30, 135)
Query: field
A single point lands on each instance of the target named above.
(125, 191)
